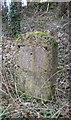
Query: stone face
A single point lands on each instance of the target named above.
(34, 70)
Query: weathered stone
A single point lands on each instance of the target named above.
(35, 66)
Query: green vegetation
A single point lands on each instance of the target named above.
(41, 27)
